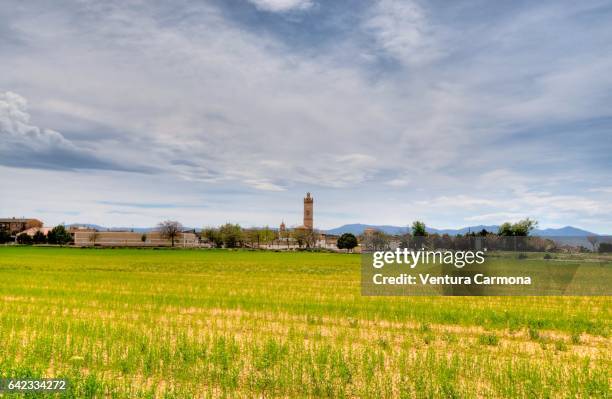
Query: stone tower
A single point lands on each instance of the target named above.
(308, 212)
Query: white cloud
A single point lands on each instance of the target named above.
(398, 182)
(23, 144)
(15, 127)
(282, 5)
(263, 184)
(460, 201)
(495, 217)
(402, 30)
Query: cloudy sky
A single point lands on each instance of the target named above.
(125, 113)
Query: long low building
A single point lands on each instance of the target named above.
(88, 238)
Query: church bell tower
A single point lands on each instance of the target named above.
(308, 212)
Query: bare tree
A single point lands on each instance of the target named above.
(93, 237)
(376, 241)
(305, 237)
(300, 236)
(252, 237)
(170, 230)
(593, 240)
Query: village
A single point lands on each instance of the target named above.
(172, 234)
(509, 237)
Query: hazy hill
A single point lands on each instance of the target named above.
(104, 228)
(357, 228)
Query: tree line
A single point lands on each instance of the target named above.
(509, 237)
(418, 236)
(58, 235)
(234, 236)
(230, 235)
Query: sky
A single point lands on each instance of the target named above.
(127, 113)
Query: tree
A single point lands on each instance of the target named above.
(265, 235)
(231, 235)
(143, 238)
(593, 240)
(446, 241)
(376, 241)
(33, 223)
(212, 235)
(39, 238)
(436, 241)
(605, 247)
(170, 230)
(284, 235)
(59, 235)
(405, 240)
(299, 235)
(522, 228)
(505, 230)
(5, 236)
(347, 241)
(93, 237)
(418, 229)
(24, 239)
(252, 237)
(304, 237)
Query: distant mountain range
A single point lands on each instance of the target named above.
(134, 229)
(567, 231)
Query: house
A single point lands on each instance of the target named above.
(33, 230)
(16, 225)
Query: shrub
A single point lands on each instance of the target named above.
(39, 238)
(522, 256)
(534, 334)
(450, 338)
(547, 256)
(5, 236)
(488, 339)
(24, 239)
(383, 343)
(561, 346)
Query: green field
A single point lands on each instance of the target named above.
(216, 323)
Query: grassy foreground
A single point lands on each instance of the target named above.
(214, 323)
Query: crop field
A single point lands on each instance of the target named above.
(218, 323)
